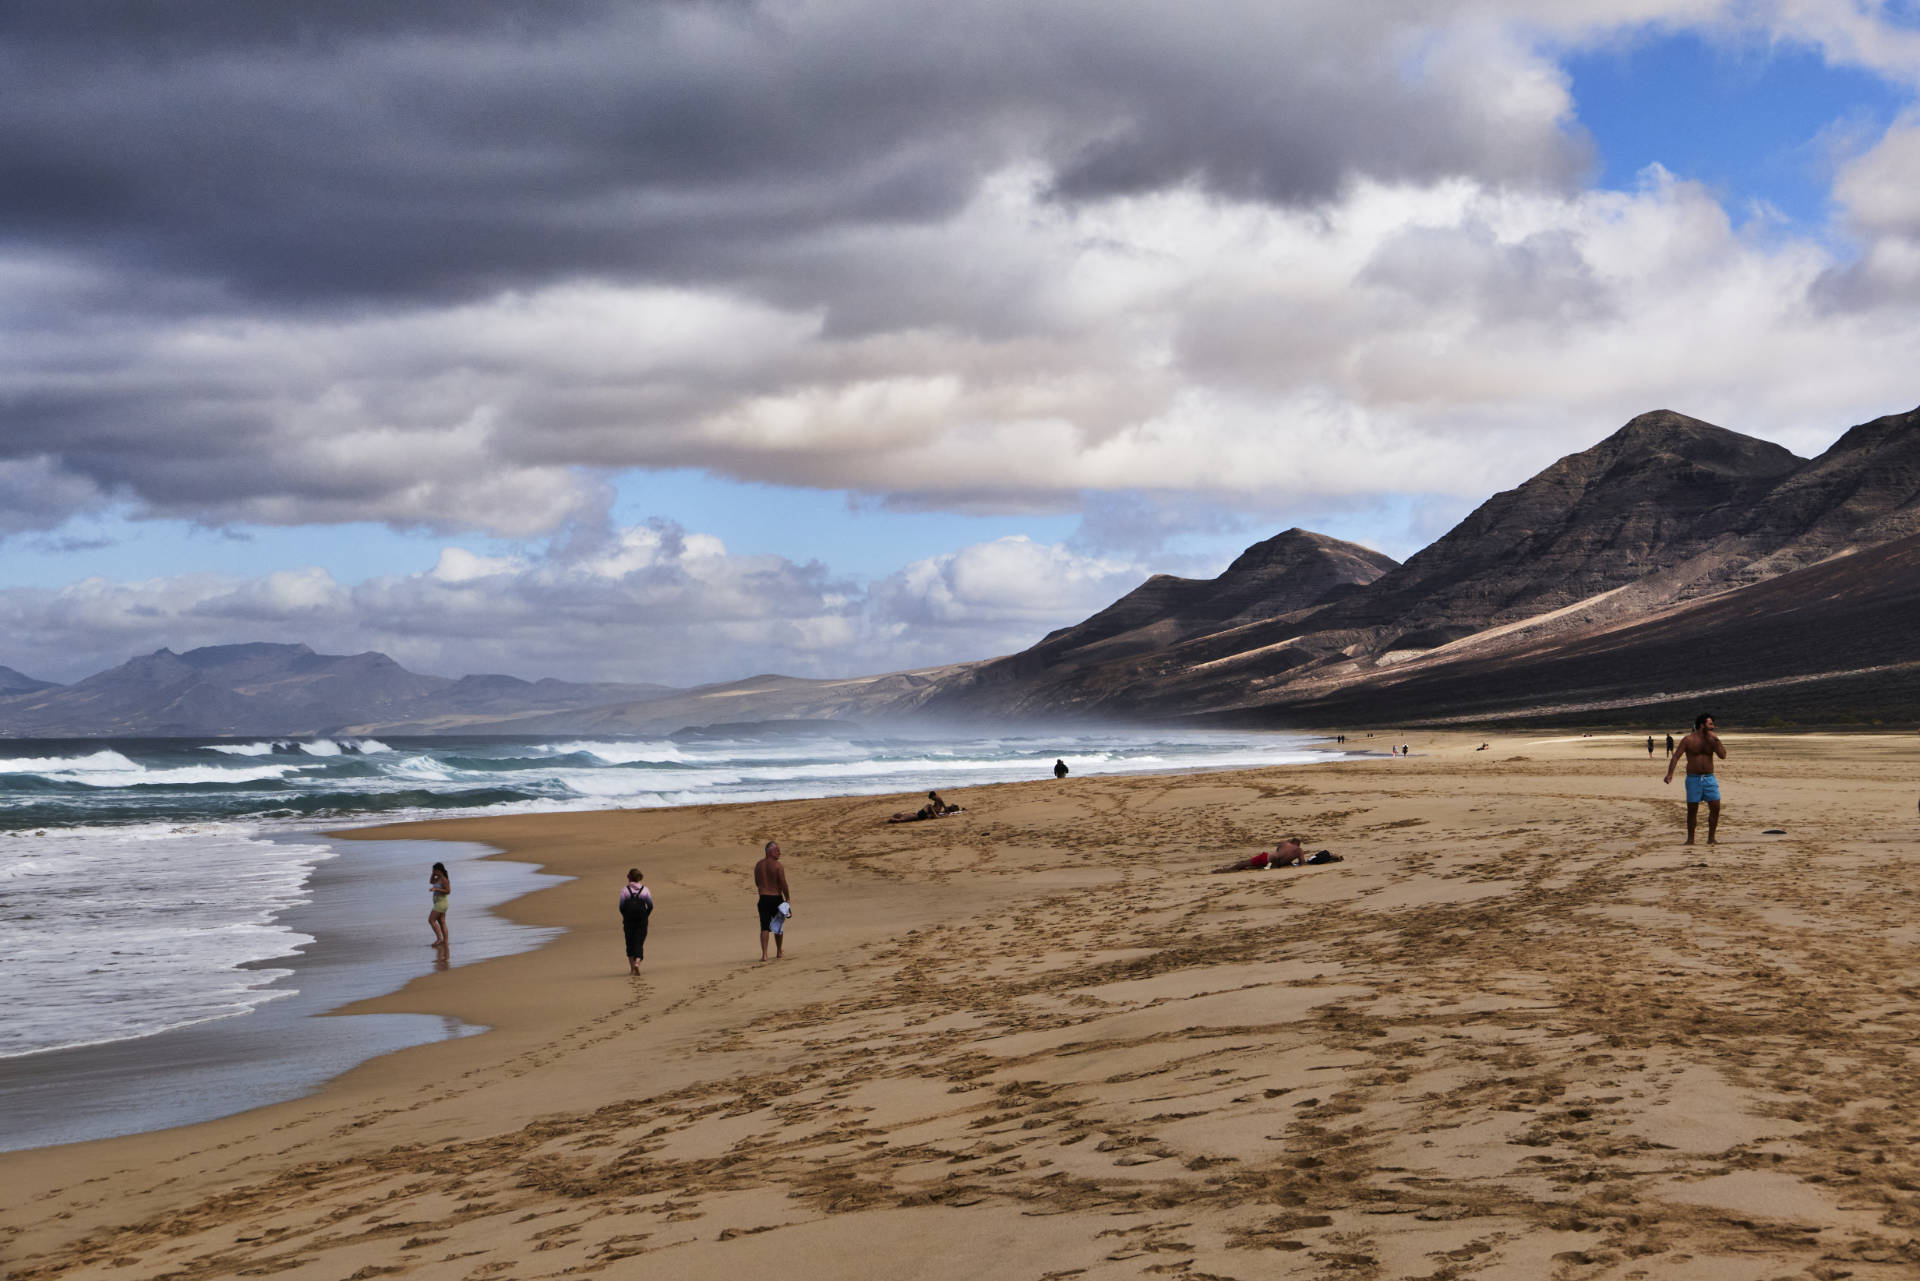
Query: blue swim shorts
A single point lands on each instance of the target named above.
(1702, 787)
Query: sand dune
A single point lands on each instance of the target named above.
(1520, 1033)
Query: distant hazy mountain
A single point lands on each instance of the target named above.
(762, 699)
(12, 682)
(270, 689)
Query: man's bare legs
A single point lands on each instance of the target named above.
(1713, 820)
(764, 936)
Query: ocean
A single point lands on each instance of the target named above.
(174, 900)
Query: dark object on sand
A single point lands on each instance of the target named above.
(1059, 769)
(1773, 831)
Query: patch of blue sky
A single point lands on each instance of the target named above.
(1758, 124)
(1902, 13)
(1397, 525)
(852, 536)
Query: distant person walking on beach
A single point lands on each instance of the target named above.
(440, 885)
(1059, 769)
(1649, 747)
(636, 909)
(1700, 747)
(1669, 745)
(770, 881)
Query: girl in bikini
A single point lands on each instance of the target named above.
(440, 886)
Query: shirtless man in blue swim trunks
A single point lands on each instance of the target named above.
(1700, 747)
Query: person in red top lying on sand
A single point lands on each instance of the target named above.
(1287, 853)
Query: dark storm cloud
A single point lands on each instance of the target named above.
(294, 160)
(299, 152)
(36, 493)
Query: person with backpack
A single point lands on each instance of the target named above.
(636, 909)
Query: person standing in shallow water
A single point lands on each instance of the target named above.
(770, 881)
(440, 885)
(636, 911)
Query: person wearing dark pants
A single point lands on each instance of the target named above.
(636, 911)
(770, 881)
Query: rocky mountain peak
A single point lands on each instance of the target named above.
(1288, 550)
(1890, 431)
(1688, 446)
(212, 656)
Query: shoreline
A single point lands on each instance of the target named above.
(294, 1041)
(1519, 1003)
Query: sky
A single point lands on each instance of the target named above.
(684, 342)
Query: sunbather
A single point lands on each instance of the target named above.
(1288, 853)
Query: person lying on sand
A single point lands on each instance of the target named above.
(934, 808)
(925, 812)
(1288, 853)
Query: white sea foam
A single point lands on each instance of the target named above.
(116, 933)
(621, 753)
(180, 776)
(320, 747)
(109, 768)
(423, 769)
(105, 760)
(343, 747)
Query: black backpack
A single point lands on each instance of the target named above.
(632, 905)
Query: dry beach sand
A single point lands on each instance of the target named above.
(1520, 1033)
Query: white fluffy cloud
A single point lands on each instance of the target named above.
(1436, 338)
(648, 603)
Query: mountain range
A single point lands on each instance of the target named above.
(1673, 562)
(269, 689)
